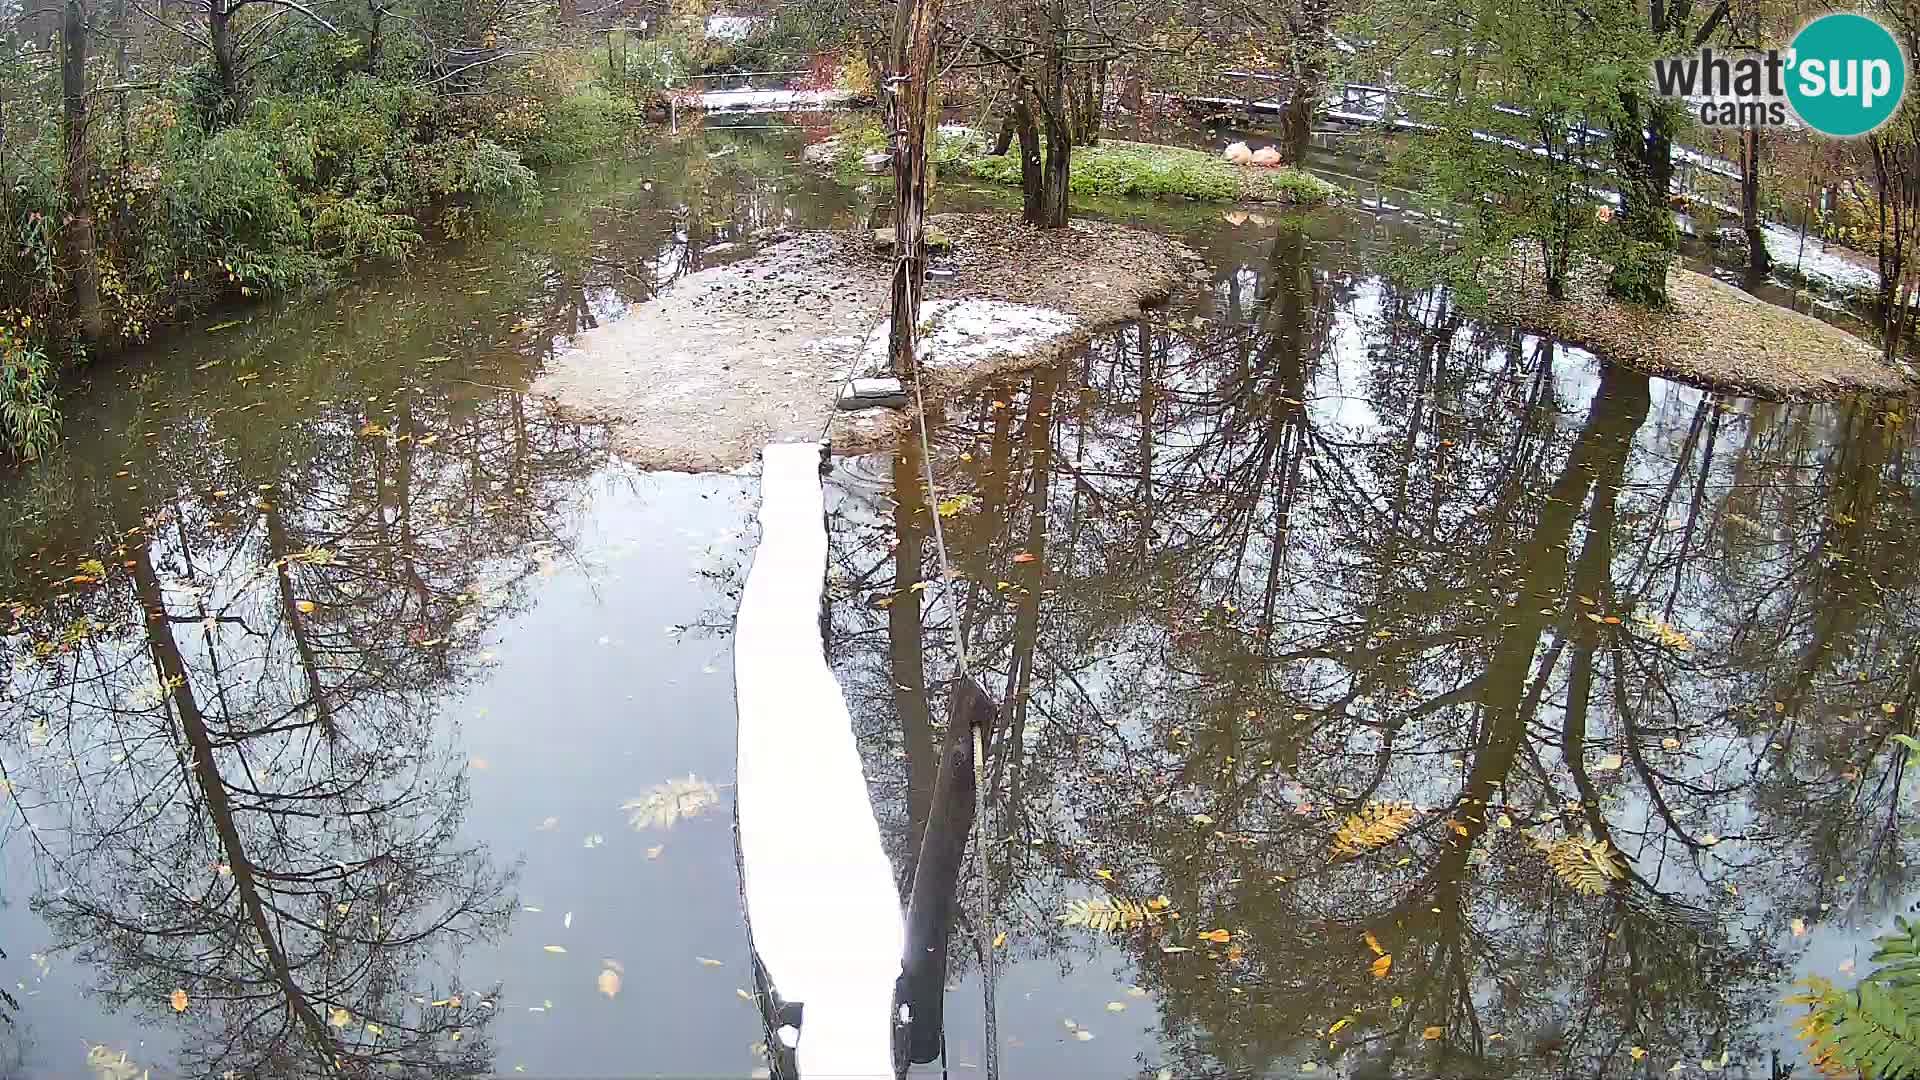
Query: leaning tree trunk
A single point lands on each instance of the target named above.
(913, 65)
(83, 269)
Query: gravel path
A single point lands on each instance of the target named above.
(736, 356)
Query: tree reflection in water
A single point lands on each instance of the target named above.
(1334, 545)
(240, 773)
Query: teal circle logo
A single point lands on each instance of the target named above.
(1845, 75)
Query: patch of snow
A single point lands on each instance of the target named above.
(731, 27)
(773, 100)
(821, 901)
(1817, 264)
(960, 333)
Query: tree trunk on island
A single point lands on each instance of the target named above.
(1023, 123)
(913, 74)
(1759, 263)
(1056, 168)
(1643, 157)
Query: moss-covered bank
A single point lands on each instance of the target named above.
(1112, 168)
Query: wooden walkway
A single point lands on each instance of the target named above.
(823, 911)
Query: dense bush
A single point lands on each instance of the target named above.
(202, 200)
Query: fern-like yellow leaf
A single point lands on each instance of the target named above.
(1375, 826)
(1113, 916)
(1588, 866)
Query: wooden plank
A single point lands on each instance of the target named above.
(822, 907)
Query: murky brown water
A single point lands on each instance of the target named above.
(1305, 549)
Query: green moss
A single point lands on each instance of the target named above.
(1113, 168)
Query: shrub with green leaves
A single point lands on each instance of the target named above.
(1872, 1030)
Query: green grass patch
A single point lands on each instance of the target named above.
(1113, 168)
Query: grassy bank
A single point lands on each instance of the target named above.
(1113, 168)
(328, 163)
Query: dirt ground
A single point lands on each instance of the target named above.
(1714, 336)
(731, 358)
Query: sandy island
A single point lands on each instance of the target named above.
(733, 357)
(1711, 335)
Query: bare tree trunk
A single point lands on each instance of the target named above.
(1758, 261)
(82, 268)
(914, 70)
(1030, 194)
(123, 28)
(1056, 169)
(226, 63)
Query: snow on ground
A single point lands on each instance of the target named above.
(1817, 264)
(961, 333)
(731, 27)
(772, 100)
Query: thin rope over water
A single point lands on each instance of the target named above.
(985, 922)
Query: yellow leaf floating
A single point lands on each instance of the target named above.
(1218, 937)
(1375, 826)
(1373, 943)
(1112, 916)
(1434, 1032)
(339, 1018)
(1382, 966)
(179, 1000)
(1588, 866)
(608, 982)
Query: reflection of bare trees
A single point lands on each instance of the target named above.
(1348, 546)
(240, 773)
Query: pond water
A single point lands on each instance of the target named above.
(361, 715)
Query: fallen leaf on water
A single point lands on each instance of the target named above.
(435, 359)
(1382, 966)
(566, 921)
(339, 1018)
(374, 1029)
(1174, 949)
(1135, 991)
(478, 763)
(1799, 928)
(1083, 1035)
(555, 948)
(671, 801)
(1116, 1006)
(608, 982)
(178, 1000)
(1202, 819)
(1637, 1052)
(1433, 1032)
(654, 851)
(708, 961)
(1025, 557)
(1373, 943)
(1218, 937)
(1610, 763)
(1846, 966)
(1669, 743)
(305, 607)
(1000, 940)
